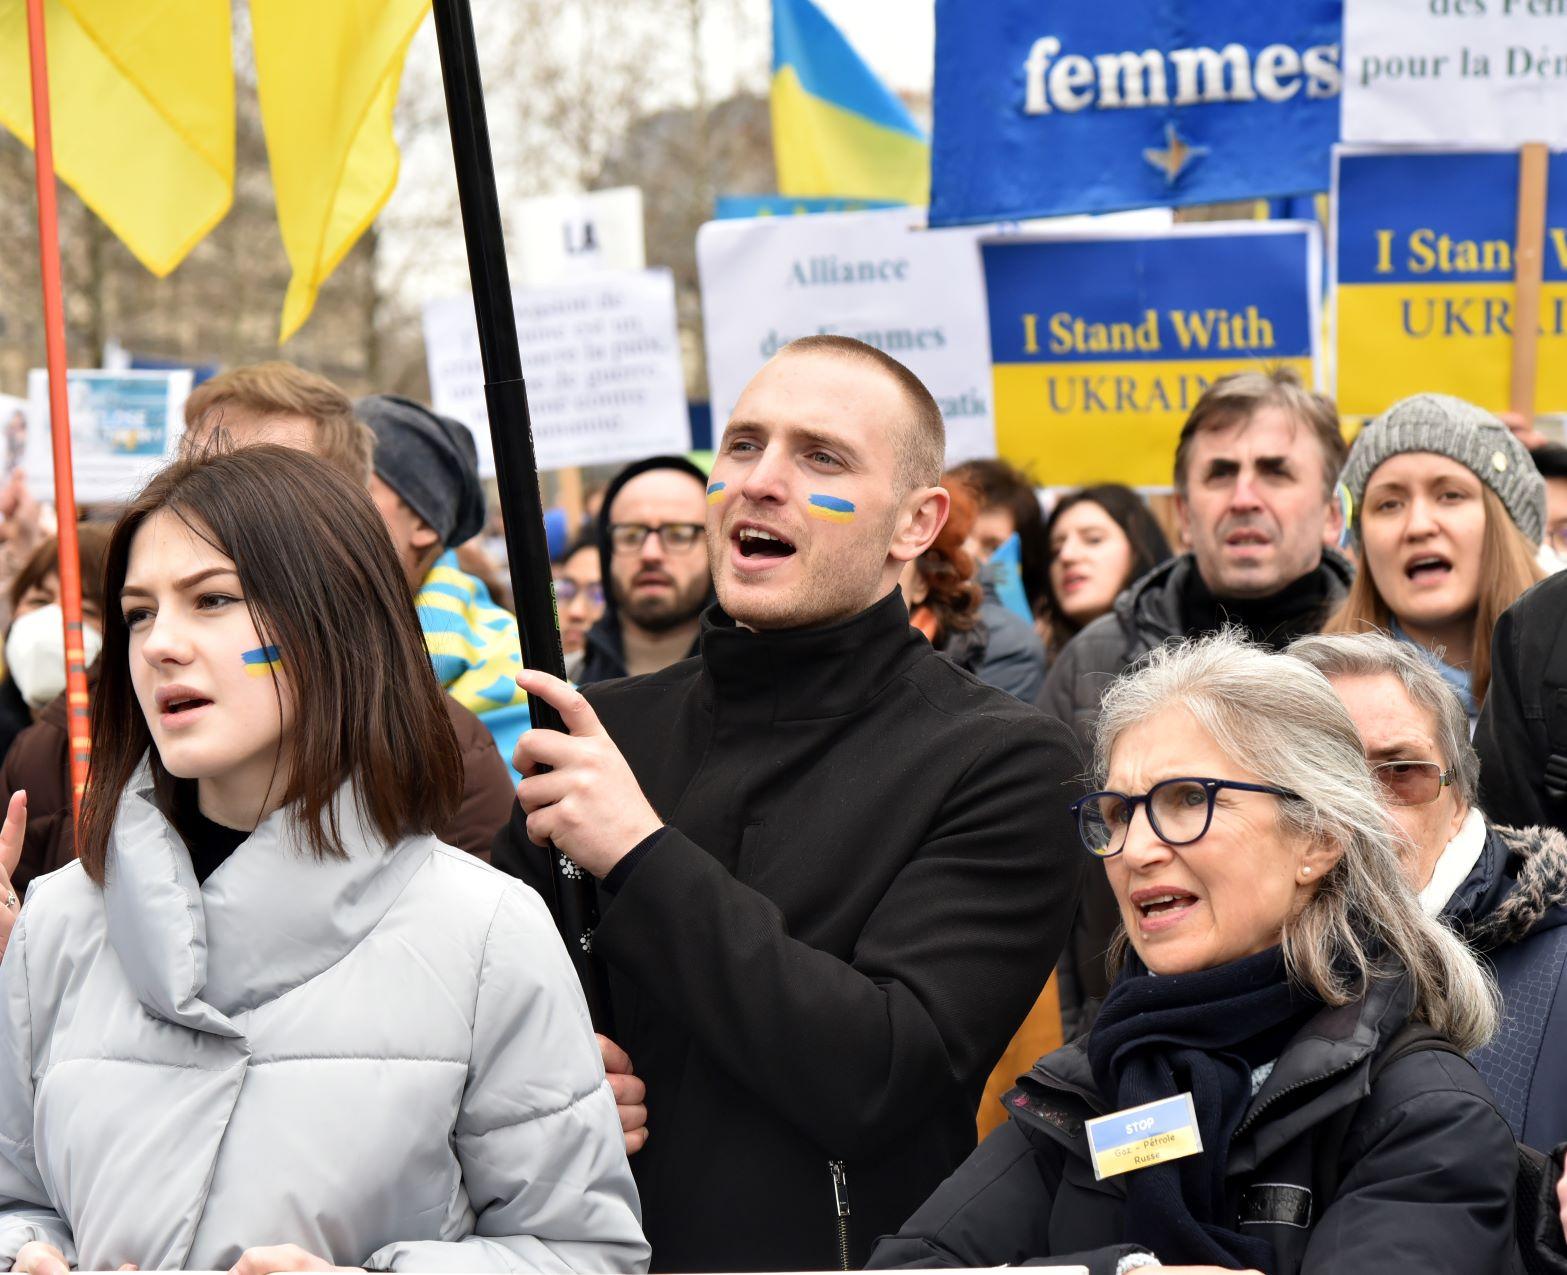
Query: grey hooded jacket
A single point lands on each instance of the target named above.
(385, 1059)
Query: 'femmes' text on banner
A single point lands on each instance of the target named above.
(1042, 109)
(1102, 346)
(1423, 267)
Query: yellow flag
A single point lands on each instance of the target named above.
(327, 73)
(142, 110)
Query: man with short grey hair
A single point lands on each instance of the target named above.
(1503, 889)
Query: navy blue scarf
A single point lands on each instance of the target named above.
(1201, 1034)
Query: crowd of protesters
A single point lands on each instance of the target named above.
(1270, 784)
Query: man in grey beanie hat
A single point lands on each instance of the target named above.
(1448, 426)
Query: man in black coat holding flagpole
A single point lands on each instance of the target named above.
(833, 869)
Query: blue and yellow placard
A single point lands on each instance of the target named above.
(1423, 265)
(1101, 346)
(1145, 1135)
(1042, 109)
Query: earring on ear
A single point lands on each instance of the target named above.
(1305, 872)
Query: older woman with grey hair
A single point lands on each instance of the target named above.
(1503, 889)
(1271, 1083)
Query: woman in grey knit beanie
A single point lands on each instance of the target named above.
(1448, 515)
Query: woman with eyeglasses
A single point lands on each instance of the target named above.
(579, 599)
(1503, 889)
(1269, 1084)
(1448, 513)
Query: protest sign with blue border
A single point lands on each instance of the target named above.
(1046, 109)
(1101, 345)
(1423, 273)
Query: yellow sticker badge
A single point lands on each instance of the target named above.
(1140, 1136)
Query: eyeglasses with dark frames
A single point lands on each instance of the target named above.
(1411, 783)
(676, 537)
(1180, 811)
(568, 590)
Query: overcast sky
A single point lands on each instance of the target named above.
(897, 37)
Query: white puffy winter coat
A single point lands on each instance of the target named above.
(385, 1059)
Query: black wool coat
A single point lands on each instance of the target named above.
(868, 873)
(1345, 1177)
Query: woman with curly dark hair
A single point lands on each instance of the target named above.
(948, 605)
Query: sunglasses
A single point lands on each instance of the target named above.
(1411, 783)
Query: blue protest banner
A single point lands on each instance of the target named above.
(1102, 344)
(1043, 109)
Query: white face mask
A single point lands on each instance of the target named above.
(35, 653)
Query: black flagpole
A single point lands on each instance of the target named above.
(516, 467)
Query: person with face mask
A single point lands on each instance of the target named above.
(38, 760)
(1449, 511)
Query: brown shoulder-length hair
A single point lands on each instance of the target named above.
(1507, 569)
(322, 584)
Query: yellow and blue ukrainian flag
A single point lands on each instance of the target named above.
(837, 129)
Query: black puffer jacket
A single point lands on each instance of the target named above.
(1423, 1179)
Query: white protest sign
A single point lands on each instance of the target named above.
(880, 276)
(1457, 72)
(557, 238)
(13, 433)
(125, 426)
(602, 363)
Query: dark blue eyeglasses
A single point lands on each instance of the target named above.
(1179, 811)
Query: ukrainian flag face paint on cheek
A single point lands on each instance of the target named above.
(264, 661)
(715, 492)
(830, 508)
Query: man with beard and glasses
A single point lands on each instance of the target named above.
(833, 868)
(655, 561)
(1256, 469)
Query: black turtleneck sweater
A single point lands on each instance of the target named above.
(1297, 609)
(868, 870)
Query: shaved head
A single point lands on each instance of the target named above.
(921, 445)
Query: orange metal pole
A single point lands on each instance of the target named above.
(59, 407)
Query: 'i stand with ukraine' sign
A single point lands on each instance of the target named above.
(1423, 263)
(1102, 345)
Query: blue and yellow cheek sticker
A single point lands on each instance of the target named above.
(264, 661)
(830, 508)
(1145, 1135)
(715, 492)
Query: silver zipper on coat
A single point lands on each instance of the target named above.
(840, 1199)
